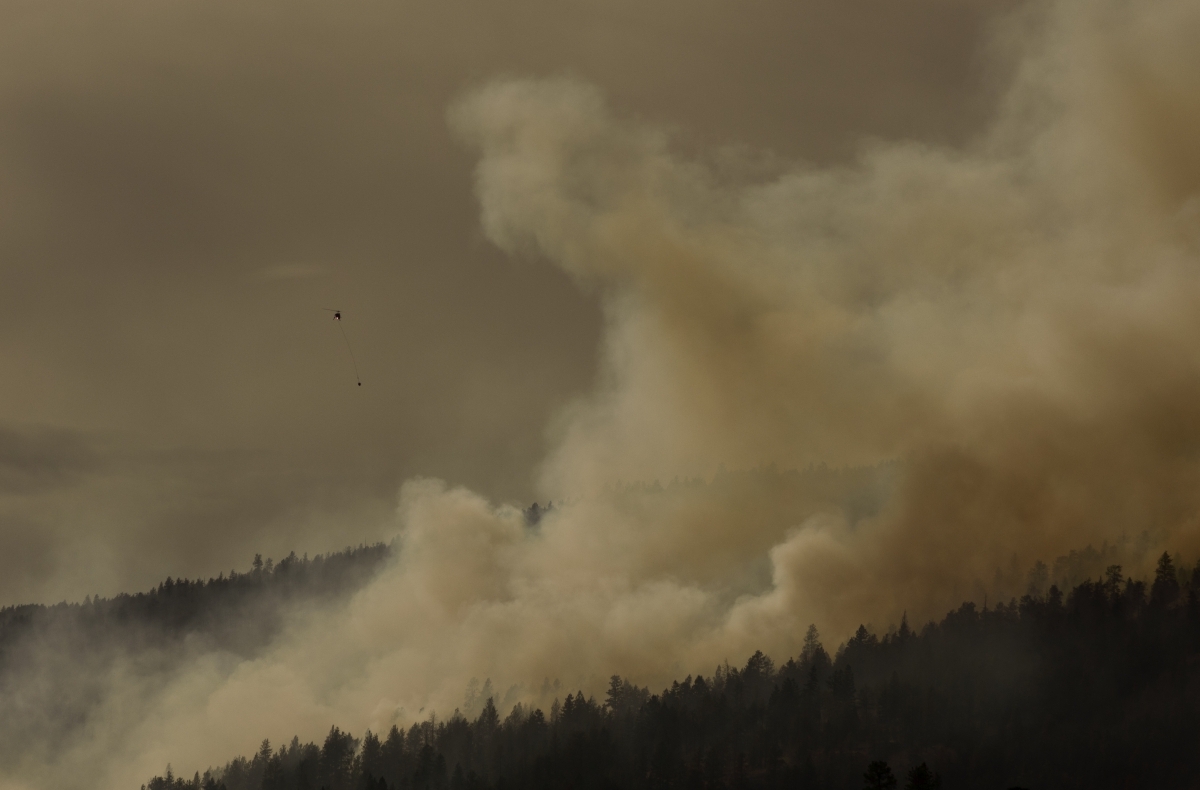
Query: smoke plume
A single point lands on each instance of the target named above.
(994, 348)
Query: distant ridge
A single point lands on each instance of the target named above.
(180, 606)
(60, 657)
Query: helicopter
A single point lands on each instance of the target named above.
(337, 316)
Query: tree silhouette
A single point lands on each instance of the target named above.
(1165, 590)
(879, 776)
(921, 778)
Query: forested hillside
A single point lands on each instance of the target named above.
(1097, 688)
(217, 610)
(58, 663)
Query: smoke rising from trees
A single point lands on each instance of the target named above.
(995, 343)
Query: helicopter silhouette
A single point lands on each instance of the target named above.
(337, 316)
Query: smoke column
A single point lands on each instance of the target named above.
(1012, 329)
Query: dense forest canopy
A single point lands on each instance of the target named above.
(1095, 688)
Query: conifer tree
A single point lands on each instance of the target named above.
(879, 776)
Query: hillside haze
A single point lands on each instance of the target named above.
(68, 670)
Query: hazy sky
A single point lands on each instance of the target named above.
(184, 186)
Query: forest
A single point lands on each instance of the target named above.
(57, 661)
(1094, 687)
(238, 612)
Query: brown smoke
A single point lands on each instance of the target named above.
(1017, 320)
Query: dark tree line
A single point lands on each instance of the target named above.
(56, 661)
(214, 608)
(1099, 688)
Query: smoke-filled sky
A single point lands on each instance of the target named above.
(183, 187)
(947, 247)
